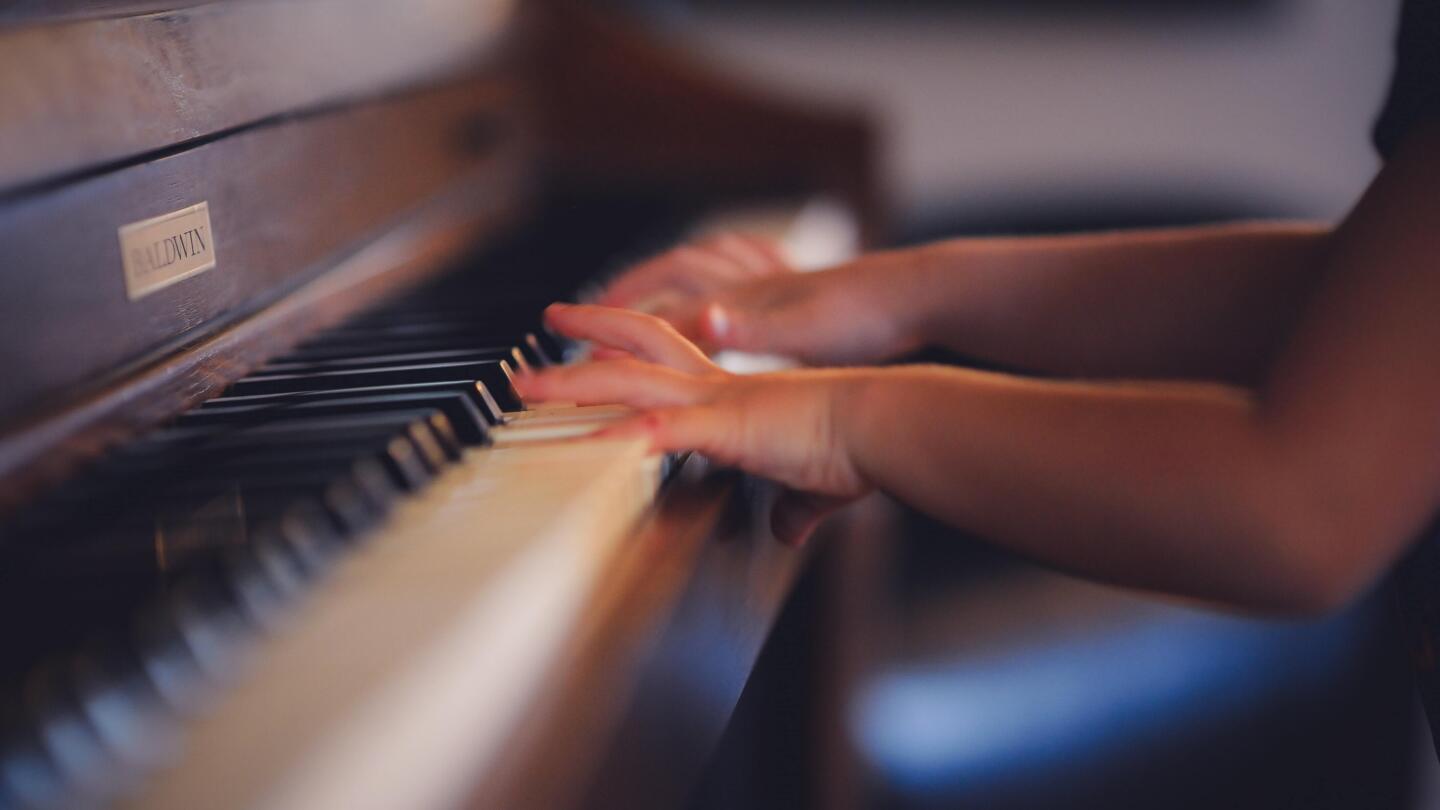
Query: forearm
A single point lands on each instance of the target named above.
(1187, 303)
(1292, 495)
(1168, 487)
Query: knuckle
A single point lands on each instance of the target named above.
(650, 320)
(623, 365)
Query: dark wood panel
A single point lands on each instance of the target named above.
(37, 453)
(282, 200)
(641, 697)
(81, 92)
(620, 108)
(37, 12)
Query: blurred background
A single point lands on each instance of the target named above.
(994, 110)
(967, 679)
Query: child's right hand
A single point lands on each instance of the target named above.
(737, 293)
(790, 426)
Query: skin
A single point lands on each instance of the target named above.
(1193, 303)
(1257, 424)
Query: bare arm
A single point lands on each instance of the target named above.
(1296, 494)
(1184, 303)
(1192, 303)
(1290, 496)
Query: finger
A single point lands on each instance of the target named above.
(625, 382)
(639, 281)
(607, 353)
(771, 250)
(645, 336)
(703, 428)
(796, 514)
(711, 430)
(751, 330)
(706, 268)
(756, 257)
(685, 269)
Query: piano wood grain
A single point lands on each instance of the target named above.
(639, 690)
(620, 109)
(38, 452)
(85, 82)
(287, 203)
(637, 703)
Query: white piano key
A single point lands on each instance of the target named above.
(406, 670)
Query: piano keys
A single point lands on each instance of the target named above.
(282, 533)
(215, 520)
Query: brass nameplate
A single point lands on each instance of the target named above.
(162, 250)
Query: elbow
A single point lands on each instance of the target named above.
(1316, 566)
(1316, 594)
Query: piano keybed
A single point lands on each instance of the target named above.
(141, 584)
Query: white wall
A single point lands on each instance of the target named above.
(978, 109)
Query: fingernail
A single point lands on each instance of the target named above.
(717, 323)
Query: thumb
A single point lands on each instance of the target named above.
(703, 428)
(728, 327)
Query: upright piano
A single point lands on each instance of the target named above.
(275, 529)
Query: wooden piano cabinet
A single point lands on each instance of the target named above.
(790, 744)
(617, 107)
(342, 175)
(649, 682)
(88, 84)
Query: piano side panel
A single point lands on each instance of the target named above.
(81, 92)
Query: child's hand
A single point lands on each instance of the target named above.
(697, 268)
(786, 426)
(735, 292)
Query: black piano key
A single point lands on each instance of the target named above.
(496, 374)
(212, 626)
(272, 566)
(168, 663)
(409, 459)
(412, 326)
(242, 449)
(390, 357)
(350, 510)
(410, 450)
(65, 733)
(469, 423)
(540, 351)
(263, 580)
(202, 484)
(529, 347)
(306, 533)
(127, 714)
(314, 448)
(474, 392)
(430, 433)
(420, 336)
(366, 480)
(29, 777)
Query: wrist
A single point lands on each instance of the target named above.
(881, 296)
(856, 412)
(913, 287)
